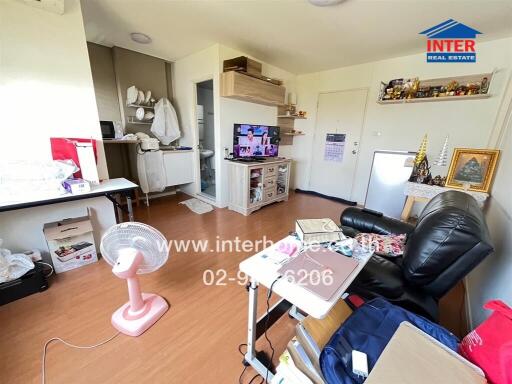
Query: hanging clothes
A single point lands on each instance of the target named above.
(165, 123)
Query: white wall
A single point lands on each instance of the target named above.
(46, 90)
(200, 66)
(491, 280)
(46, 87)
(401, 126)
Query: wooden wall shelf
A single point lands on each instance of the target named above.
(443, 81)
(429, 99)
(238, 86)
(287, 125)
(294, 117)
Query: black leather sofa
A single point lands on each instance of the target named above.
(449, 240)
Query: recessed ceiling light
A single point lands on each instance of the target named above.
(140, 38)
(325, 3)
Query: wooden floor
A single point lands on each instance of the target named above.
(195, 342)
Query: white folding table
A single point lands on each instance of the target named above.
(262, 269)
(106, 188)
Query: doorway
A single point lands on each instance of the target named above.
(206, 136)
(339, 123)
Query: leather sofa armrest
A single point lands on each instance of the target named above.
(373, 222)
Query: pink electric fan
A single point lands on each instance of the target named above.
(135, 248)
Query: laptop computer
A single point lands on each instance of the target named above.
(320, 271)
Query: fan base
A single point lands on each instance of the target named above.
(157, 306)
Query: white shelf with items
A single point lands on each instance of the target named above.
(134, 120)
(437, 85)
(140, 106)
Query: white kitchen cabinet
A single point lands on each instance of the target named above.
(256, 184)
(179, 167)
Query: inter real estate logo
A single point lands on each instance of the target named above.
(451, 42)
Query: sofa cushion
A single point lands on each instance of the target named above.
(382, 245)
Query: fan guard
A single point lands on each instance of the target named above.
(141, 237)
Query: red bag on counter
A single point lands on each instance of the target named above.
(65, 149)
(490, 345)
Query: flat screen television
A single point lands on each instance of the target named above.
(255, 140)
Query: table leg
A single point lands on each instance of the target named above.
(130, 207)
(409, 203)
(119, 210)
(294, 312)
(250, 356)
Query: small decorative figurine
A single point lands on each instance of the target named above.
(442, 158)
(484, 86)
(410, 88)
(389, 93)
(397, 92)
(438, 181)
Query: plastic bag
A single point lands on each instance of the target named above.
(25, 180)
(165, 123)
(13, 266)
(490, 345)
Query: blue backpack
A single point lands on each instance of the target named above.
(368, 330)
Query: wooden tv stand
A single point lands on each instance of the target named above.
(259, 183)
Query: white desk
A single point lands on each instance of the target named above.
(263, 270)
(106, 188)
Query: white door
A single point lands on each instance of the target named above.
(342, 113)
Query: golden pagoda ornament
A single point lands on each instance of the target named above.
(422, 151)
(421, 171)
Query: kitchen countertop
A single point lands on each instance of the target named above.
(167, 150)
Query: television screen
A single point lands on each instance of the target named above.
(255, 140)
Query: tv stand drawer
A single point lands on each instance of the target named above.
(270, 170)
(269, 194)
(270, 182)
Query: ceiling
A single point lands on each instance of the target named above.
(291, 34)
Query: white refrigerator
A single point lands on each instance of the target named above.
(390, 171)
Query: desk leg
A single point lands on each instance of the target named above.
(409, 203)
(119, 210)
(250, 356)
(130, 207)
(294, 312)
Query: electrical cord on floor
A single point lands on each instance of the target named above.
(43, 373)
(246, 366)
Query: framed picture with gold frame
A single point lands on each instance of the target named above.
(472, 169)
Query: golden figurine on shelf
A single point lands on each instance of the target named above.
(421, 171)
(411, 88)
(407, 89)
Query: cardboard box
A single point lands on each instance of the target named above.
(76, 186)
(71, 243)
(413, 357)
(244, 64)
